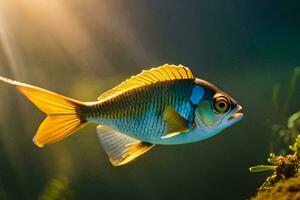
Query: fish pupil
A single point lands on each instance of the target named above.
(222, 104)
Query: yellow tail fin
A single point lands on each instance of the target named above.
(63, 114)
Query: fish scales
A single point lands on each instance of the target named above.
(134, 110)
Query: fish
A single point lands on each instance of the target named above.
(166, 105)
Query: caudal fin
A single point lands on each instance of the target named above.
(64, 115)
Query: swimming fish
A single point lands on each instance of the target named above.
(166, 105)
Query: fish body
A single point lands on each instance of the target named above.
(164, 105)
(139, 112)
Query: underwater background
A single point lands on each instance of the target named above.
(83, 48)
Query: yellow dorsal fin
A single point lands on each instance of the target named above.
(147, 77)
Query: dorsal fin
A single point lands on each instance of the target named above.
(147, 77)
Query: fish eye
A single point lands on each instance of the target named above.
(221, 104)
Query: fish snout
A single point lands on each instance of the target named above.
(235, 115)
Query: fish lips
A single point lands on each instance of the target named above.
(235, 115)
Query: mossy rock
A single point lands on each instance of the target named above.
(284, 190)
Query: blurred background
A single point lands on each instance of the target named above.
(83, 48)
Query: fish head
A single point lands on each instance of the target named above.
(216, 110)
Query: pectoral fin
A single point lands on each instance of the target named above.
(176, 124)
(121, 148)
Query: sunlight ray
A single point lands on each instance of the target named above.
(8, 43)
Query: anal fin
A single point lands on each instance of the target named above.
(121, 148)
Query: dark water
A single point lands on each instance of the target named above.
(81, 48)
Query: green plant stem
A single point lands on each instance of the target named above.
(291, 90)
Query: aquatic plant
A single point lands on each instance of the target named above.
(287, 128)
(284, 168)
(58, 188)
(284, 183)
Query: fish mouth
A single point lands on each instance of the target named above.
(236, 116)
